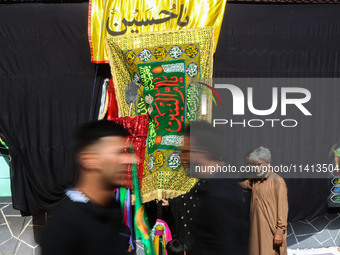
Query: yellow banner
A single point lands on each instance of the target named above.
(119, 17)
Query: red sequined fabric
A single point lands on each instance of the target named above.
(112, 108)
(138, 128)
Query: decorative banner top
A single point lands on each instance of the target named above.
(117, 17)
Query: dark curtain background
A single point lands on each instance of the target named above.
(47, 89)
(259, 40)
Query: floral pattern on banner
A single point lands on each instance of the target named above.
(125, 52)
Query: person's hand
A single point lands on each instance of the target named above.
(278, 240)
(164, 202)
(130, 248)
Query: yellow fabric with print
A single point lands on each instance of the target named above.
(116, 17)
(156, 240)
(185, 55)
(122, 71)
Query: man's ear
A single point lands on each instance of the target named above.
(88, 160)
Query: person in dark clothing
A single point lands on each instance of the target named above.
(175, 247)
(213, 218)
(221, 222)
(89, 221)
(183, 210)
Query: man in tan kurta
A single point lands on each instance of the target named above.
(268, 208)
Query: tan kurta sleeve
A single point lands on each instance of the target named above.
(245, 184)
(282, 207)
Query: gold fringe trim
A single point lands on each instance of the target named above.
(141, 36)
(211, 56)
(159, 194)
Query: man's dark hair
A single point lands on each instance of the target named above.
(175, 247)
(90, 132)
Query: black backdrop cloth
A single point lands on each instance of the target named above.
(259, 40)
(46, 88)
(47, 82)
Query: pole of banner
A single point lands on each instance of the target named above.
(160, 210)
(142, 229)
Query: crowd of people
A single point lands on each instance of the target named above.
(218, 216)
